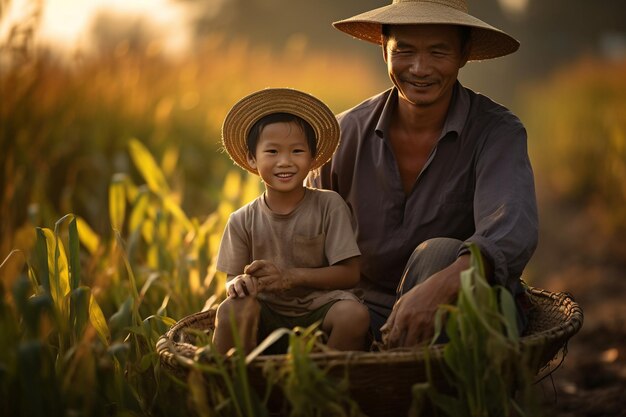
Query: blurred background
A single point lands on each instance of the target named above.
(80, 78)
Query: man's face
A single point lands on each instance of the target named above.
(423, 61)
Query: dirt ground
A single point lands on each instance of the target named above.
(591, 381)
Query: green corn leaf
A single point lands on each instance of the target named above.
(96, 317)
(267, 342)
(162, 311)
(232, 186)
(41, 260)
(509, 311)
(163, 322)
(131, 277)
(198, 395)
(117, 202)
(148, 168)
(147, 231)
(59, 270)
(251, 188)
(87, 236)
(32, 276)
(177, 212)
(79, 311)
(152, 278)
(131, 189)
(121, 352)
(159, 324)
(38, 307)
(122, 319)
(74, 255)
(147, 361)
(139, 212)
(146, 329)
(21, 292)
(476, 259)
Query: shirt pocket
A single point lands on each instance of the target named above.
(308, 252)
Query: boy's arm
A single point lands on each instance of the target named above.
(341, 275)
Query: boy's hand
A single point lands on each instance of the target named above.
(242, 286)
(269, 277)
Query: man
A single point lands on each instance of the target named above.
(429, 166)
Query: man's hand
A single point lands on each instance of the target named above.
(242, 286)
(413, 316)
(269, 277)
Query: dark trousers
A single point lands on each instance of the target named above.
(428, 258)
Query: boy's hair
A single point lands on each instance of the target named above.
(257, 128)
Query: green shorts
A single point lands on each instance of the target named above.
(270, 320)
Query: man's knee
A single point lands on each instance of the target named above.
(438, 247)
(429, 257)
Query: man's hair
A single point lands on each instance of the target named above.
(464, 31)
(256, 129)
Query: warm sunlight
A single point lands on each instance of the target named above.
(514, 6)
(67, 23)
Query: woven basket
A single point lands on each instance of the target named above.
(389, 375)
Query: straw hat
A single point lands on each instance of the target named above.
(247, 111)
(486, 41)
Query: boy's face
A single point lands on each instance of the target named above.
(283, 158)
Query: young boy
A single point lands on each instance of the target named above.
(290, 254)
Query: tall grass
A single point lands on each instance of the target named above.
(89, 344)
(65, 125)
(85, 336)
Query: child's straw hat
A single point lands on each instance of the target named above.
(486, 40)
(247, 111)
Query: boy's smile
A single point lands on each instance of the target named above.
(283, 160)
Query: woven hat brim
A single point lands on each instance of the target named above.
(486, 41)
(247, 111)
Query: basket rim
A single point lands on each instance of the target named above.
(171, 352)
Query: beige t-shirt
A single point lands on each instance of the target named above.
(317, 233)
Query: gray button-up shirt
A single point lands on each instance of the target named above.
(477, 186)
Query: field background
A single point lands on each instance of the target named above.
(124, 134)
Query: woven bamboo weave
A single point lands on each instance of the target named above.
(554, 318)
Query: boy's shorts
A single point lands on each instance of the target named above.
(270, 320)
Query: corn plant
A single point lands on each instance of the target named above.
(482, 362)
(59, 353)
(307, 389)
(220, 385)
(54, 333)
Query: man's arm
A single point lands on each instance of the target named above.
(505, 209)
(413, 316)
(341, 275)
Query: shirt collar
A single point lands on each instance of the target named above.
(457, 114)
(455, 120)
(385, 116)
